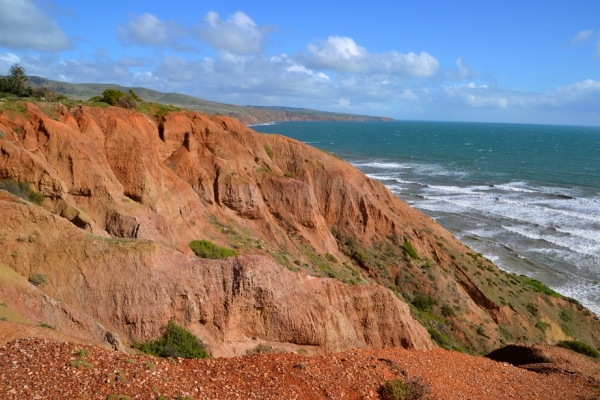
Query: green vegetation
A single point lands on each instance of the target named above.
(331, 258)
(16, 82)
(580, 347)
(269, 151)
(22, 190)
(538, 286)
(532, 308)
(409, 250)
(448, 311)
(424, 303)
(176, 341)
(397, 389)
(206, 249)
(542, 326)
(37, 279)
(117, 98)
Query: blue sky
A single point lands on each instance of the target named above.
(497, 61)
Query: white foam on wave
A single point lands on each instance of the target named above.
(587, 293)
(383, 165)
(582, 233)
(264, 124)
(571, 243)
(514, 187)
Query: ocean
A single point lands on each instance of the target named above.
(525, 196)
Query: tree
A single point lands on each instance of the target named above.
(16, 82)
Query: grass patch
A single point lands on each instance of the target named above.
(269, 151)
(176, 341)
(409, 250)
(22, 190)
(542, 326)
(206, 249)
(538, 286)
(579, 347)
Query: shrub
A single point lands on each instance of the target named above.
(269, 151)
(564, 316)
(22, 190)
(176, 341)
(37, 279)
(288, 174)
(579, 347)
(424, 303)
(397, 389)
(206, 249)
(331, 258)
(532, 308)
(542, 326)
(409, 250)
(448, 311)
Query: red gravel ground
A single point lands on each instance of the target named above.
(46, 369)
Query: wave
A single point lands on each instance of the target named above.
(573, 244)
(264, 124)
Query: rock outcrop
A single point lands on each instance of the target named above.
(126, 192)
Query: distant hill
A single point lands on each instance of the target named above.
(246, 114)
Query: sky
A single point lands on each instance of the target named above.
(524, 61)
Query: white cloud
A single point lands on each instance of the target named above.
(342, 102)
(465, 71)
(23, 26)
(340, 53)
(582, 36)
(239, 34)
(144, 29)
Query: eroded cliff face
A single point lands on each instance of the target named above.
(135, 286)
(144, 186)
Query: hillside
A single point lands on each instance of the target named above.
(330, 260)
(246, 114)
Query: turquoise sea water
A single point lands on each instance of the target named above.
(526, 196)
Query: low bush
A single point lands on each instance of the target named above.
(579, 347)
(542, 326)
(448, 311)
(409, 250)
(176, 341)
(331, 258)
(398, 389)
(37, 279)
(424, 303)
(206, 249)
(22, 190)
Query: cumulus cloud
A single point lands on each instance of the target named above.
(239, 34)
(582, 36)
(146, 29)
(340, 53)
(23, 26)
